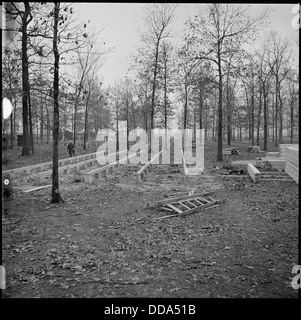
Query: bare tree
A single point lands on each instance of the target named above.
(158, 17)
(293, 92)
(56, 119)
(280, 57)
(264, 77)
(90, 82)
(11, 85)
(220, 34)
(168, 73)
(23, 16)
(89, 59)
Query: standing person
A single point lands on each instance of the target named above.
(70, 148)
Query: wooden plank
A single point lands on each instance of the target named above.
(253, 172)
(166, 209)
(38, 188)
(179, 194)
(292, 172)
(230, 176)
(270, 179)
(276, 173)
(149, 162)
(175, 200)
(273, 176)
(174, 208)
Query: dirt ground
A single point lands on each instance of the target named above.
(104, 242)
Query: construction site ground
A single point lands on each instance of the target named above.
(103, 240)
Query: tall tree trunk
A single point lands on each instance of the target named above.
(220, 110)
(41, 119)
(229, 129)
(77, 99)
(206, 127)
(185, 112)
(117, 131)
(134, 118)
(48, 124)
(276, 116)
(65, 118)
(165, 94)
(213, 126)
(280, 119)
(154, 85)
(259, 115)
(86, 118)
(292, 118)
(56, 116)
(11, 125)
(273, 122)
(201, 105)
(37, 124)
(194, 124)
(127, 128)
(25, 80)
(72, 122)
(31, 141)
(248, 106)
(11, 130)
(268, 114)
(14, 112)
(185, 104)
(252, 114)
(153, 97)
(265, 118)
(75, 117)
(228, 114)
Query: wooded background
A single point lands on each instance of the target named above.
(213, 79)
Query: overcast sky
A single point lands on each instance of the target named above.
(123, 22)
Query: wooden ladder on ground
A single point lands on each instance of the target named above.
(188, 204)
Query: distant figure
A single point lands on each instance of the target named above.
(71, 149)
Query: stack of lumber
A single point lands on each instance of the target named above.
(283, 149)
(292, 162)
(253, 149)
(282, 152)
(230, 151)
(278, 160)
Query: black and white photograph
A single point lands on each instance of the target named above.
(150, 150)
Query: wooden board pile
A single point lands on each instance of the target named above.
(230, 151)
(292, 162)
(278, 161)
(253, 149)
(283, 149)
